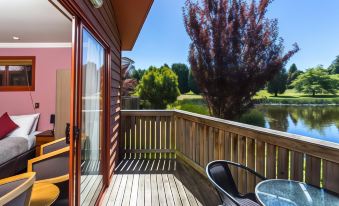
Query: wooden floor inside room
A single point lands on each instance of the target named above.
(158, 182)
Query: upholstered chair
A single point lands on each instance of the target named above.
(52, 166)
(17, 190)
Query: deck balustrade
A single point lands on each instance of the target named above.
(199, 139)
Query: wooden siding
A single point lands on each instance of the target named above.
(103, 21)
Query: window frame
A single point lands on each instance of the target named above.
(20, 88)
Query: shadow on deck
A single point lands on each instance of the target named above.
(158, 182)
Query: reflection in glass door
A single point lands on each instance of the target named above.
(92, 118)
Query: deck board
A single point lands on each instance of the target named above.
(158, 182)
(89, 191)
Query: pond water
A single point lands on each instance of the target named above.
(321, 122)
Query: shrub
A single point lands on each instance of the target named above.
(253, 117)
(159, 87)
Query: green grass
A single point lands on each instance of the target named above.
(195, 103)
(191, 103)
(293, 97)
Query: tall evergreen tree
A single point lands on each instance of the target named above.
(235, 50)
(334, 67)
(293, 73)
(181, 70)
(278, 84)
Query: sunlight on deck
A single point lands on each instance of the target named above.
(157, 182)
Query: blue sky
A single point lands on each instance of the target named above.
(313, 24)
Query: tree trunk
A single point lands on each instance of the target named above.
(276, 94)
(313, 93)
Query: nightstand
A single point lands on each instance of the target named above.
(43, 138)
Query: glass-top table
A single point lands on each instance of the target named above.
(292, 193)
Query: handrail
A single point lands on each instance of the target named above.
(199, 139)
(319, 148)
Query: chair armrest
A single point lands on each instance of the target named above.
(54, 180)
(246, 168)
(53, 146)
(15, 186)
(52, 166)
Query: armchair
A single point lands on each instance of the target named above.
(52, 166)
(17, 190)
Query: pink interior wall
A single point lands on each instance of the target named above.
(48, 61)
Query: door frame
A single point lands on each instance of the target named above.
(105, 120)
(79, 21)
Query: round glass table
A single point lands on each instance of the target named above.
(278, 192)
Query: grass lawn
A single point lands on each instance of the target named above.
(192, 103)
(195, 103)
(293, 97)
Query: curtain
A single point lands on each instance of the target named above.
(92, 102)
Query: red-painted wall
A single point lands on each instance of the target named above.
(48, 60)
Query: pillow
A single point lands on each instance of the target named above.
(25, 123)
(6, 125)
(35, 125)
(36, 120)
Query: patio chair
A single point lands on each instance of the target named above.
(52, 166)
(17, 190)
(220, 175)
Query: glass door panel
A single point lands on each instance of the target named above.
(92, 117)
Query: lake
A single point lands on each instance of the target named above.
(321, 122)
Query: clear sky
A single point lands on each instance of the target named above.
(313, 24)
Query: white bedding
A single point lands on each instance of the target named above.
(31, 139)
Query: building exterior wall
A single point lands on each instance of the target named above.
(103, 19)
(48, 61)
(104, 23)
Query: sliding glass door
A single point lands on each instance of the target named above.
(92, 129)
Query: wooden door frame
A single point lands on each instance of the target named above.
(106, 110)
(80, 20)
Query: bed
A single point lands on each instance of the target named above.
(18, 148)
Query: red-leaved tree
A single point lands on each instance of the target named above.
(235, 50)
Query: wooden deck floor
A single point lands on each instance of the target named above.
(158, 182)
(90, 188)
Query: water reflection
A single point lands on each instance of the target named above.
(321, 122)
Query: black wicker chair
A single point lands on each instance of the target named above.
(220, 175)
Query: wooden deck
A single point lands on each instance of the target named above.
(158, 182)
(90, 188)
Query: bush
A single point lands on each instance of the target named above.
(253, 117)
(159, 87)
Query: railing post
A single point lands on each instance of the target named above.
(173, 135)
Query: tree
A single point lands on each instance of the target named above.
(278, 84)
(159, 86)
(192, 84)
(293, 73)
(334, 67)
(137, 74)
(181, 70)
(234, 51)
(316, 80)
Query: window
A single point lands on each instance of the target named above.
(17, 73)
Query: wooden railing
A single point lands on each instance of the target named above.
(199, 139)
